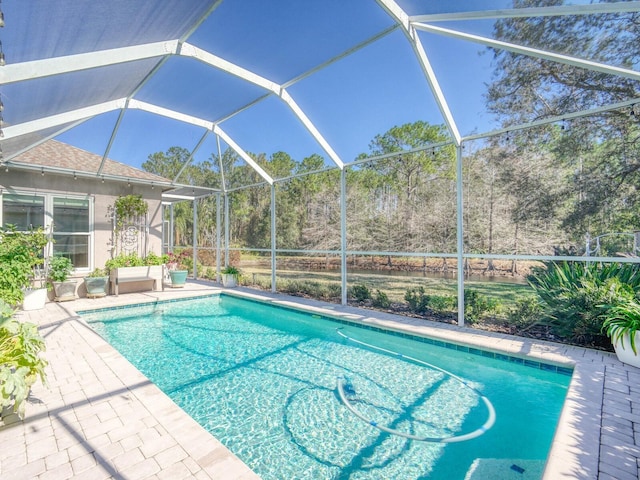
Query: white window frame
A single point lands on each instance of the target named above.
(49, 220)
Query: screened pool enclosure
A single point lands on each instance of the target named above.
(464, 137)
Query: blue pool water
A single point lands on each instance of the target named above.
(263, 380)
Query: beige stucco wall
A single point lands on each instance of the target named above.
(103, 195)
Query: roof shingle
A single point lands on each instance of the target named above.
(53, 153)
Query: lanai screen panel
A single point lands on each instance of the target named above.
(405, 203)
(40, 29)
(191, 87)
(47, 96)
(281, 40)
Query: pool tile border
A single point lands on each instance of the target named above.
(562, 370)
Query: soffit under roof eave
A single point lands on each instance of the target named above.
(170, 186)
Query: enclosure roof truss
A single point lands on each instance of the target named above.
(48, 126)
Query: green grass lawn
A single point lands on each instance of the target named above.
(506, 293)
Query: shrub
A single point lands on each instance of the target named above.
(526, 313)
(59, 268)
(442, 303)
(360, 293)
(575, 296)
(476, 305)
(20, 253)
(20, 361)
(134, 260)
(417, 299)
(381, 300)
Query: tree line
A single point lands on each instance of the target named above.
(534, 191)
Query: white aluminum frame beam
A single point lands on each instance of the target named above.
(589, 9)
(71, 63)
(193, 152)
(191, 51)
(210, 59)
(311, 128)
(84, 61)
(245, 156)
(531, 52)
(165, 112)
(62, 118)
(400, 16)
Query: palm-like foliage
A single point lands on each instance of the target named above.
(623, 319)
(577, 296)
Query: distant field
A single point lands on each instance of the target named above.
(395, 286)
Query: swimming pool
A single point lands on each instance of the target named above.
(267, 382)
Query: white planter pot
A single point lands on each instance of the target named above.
(145, 277)
(34, 299)
(625, 354)
(65, 291)
(229, 280)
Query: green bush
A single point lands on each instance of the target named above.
(442, 303)
(526, 313)
(477, 305)
(360, 293)
(417, 299)
(21, 363)
(59, 268)
(575, 296)
(20, 253)
(313, 289)
(381, 300)
(134, 260)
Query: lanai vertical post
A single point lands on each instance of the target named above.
(460, 234)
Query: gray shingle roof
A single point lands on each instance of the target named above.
(55, 154)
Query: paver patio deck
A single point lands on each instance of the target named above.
(100, 418)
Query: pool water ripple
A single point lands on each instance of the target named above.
(263, 381)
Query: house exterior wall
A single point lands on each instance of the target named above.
(102, 197)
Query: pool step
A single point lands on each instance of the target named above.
(505, 469)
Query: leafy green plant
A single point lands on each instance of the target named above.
(59, 268)
(127, 207)
(575, 296)
(98, 272)
(360, 292)
(381, 300)
(20, 255)
(21, 363)
(476, 305)
(154, 259)
(526, 313)
(442, 303)
(417, 299)
(623, 319)
(134, 260)
(6, 312)
(231, 270)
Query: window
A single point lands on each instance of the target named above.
(24, 211)
(70, 216)
(71, 232)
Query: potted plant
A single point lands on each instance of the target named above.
(230, 276)
(178, 271)
(132, 268)
(96, 283)
(59, 270)
(622, 325)
(21, 272)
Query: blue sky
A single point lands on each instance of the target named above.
(350, 101)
